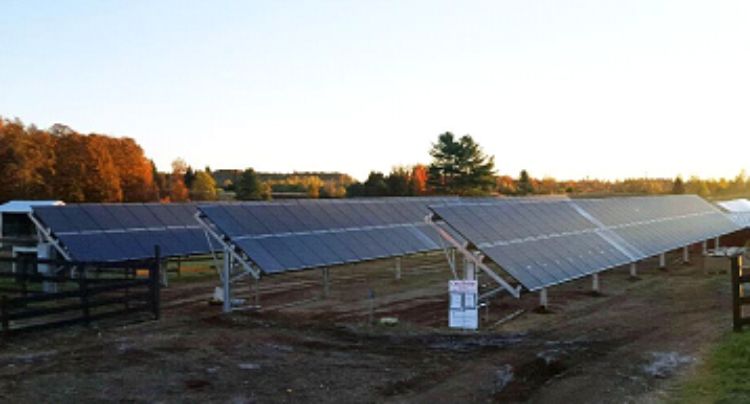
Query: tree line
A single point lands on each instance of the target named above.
(60, 163)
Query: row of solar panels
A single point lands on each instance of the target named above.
(121, 232)
(539, 242)
(546, 243)
(280, 237)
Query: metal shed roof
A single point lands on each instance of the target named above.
(26, 206)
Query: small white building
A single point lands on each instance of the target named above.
(15, 225)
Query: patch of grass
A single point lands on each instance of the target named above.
(724, 377)
(193, 273)
(187, 277)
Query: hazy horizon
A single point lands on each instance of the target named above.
(606, 90)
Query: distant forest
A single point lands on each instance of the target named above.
(60, 163)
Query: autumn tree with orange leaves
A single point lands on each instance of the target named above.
(418, 180)
(60, 163)
(134, 170)
(178, 191)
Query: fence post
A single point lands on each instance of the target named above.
(155, 282)
(24, 267)
(736, 309)
(83, 289)
(4, 315)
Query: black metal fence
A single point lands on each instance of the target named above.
(42, 293)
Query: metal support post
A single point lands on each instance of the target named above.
(595, 283)
(662, 260)
(326, 283)
(716, 243)
(45, 251)
(686, 254)
(156, 289)
(705, 247)
(48, 237)
(398, 268)
(543, 302)
(228, 249)
(633, 270)
(469, 270)
(225, 278)
(515, 292)
(256, 291)
(163, 270)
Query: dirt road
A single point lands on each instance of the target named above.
(628, 345)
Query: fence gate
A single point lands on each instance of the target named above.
(74, 292)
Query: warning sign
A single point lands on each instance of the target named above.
(463, 312)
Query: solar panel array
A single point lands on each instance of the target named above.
(122, 232)
(538, 242)
(301, 234)
(657, 224)
(738, 211)
(543, 243)
(735, 205)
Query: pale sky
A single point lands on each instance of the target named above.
(605, 89)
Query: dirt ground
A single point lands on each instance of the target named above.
(629, 344)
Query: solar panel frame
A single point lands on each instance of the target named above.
(576, 238)
(340, 247)
(123, 232)
(306, 218)
(308, 256)
(288, 259)
(351, 230)
(263, 257)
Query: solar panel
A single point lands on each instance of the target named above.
(738, 211)
(741, 219)
(541, 243)
(735, 205)
(653, 225)
(302, 234)
(122, 232)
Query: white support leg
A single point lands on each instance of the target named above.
(163, 267)
(398, 268)
(662, 260)
(226, 274)
(633, 270)
(686, 255)
(256, 292)
(595, 283)
(543, 302)
(470, 270)
(716, 243)
(705, 247)
(326, 283)
(46, 251)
